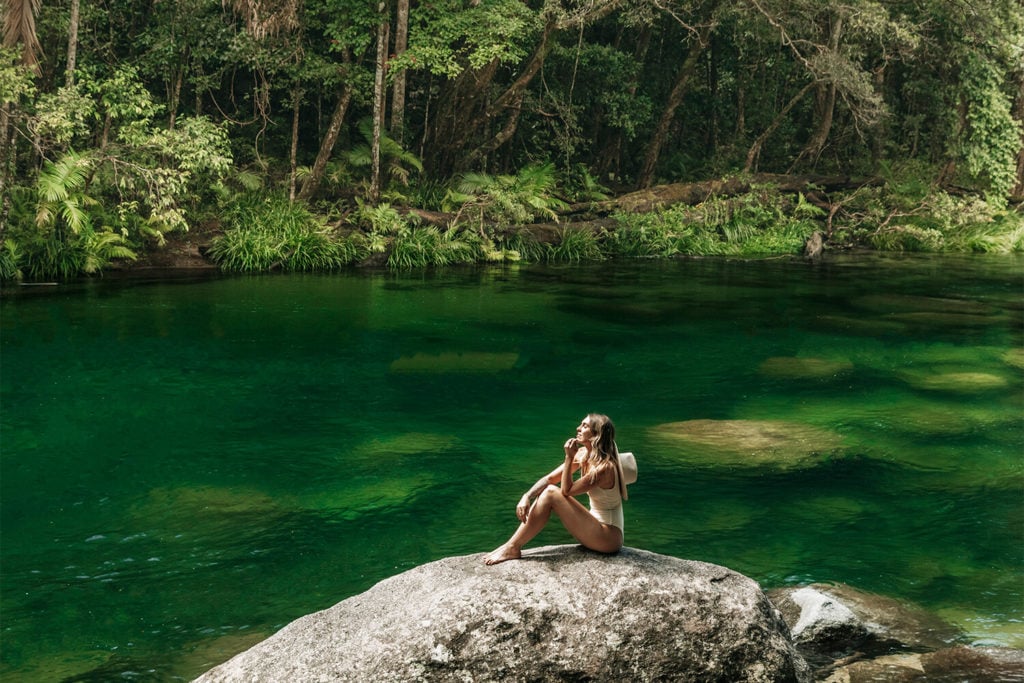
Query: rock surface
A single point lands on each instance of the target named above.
(955, 664)
(831, 621)
(561, 613)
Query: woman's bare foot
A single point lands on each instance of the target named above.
(505, 552)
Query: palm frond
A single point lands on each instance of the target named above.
(58, 179)
(20, 27)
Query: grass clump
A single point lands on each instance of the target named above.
(760, 223)
(264, 233)
(576, 245)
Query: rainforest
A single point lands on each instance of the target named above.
(291, 135)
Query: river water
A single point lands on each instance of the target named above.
(187, 466)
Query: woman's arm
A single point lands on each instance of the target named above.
(583, 485)
(553, 477)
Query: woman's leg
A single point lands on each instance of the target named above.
(576, 519)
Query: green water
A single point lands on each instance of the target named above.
(188, 466)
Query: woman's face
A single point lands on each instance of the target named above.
(584, 431)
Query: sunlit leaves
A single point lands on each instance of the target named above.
(15, 78)
(445, 37)
(63, 115)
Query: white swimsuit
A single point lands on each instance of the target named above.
(606, 505)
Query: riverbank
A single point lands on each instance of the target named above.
(753, 217)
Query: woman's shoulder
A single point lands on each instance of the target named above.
(604, 474)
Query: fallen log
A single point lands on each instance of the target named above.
(590, 214)
(663, 196)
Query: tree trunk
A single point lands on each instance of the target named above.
(611, 160)
(743, 74)
(1017, 194)
(7, 161)
(824, 108)
(512, 99)
(755, 149)
(316, 174)
(175, 98)
(72, 43)
(675, 98)
(398, 89)
(294, 153)
(379, 96)
(460, 107)
(712, 141)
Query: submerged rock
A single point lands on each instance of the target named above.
(468, 361)
(905, 303)
(1014, 357)
(792, 367)
(976, 665)
(748, 443)
(963, 382)
(560, 613)
(832, 621)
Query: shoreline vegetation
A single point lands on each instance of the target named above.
(265, 136)
(529, 218)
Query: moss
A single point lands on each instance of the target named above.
(747, 443)
(790, 367)
(469, 361)
(961, 382)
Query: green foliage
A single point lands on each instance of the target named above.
(992, 138)
(63, 116)
(448, 37)
(16, 79)
(64, 236)
(160, 99)
(430, 246)
(644, 236)
(760, 223)
(522, 245)
(264, 233)
(397, 162)
(575, 245)
(506, 199)
(10, 256)
(121, 96)
(668, 232)
(50, 255)
(580, 186)
(62, 205)
(906, 215)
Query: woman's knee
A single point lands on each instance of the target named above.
(550, 496)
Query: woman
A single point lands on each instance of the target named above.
(593, 452)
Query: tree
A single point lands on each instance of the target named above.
(698, 42)
(398, 88)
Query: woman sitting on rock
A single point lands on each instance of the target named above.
(594, 454)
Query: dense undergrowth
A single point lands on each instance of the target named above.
(489, 221)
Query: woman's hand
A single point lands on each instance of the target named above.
(523, 509)
(571, 447)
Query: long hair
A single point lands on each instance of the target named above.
(604, 451)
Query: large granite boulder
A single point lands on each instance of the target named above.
(562, 613)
